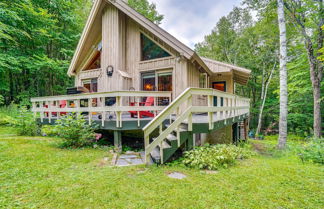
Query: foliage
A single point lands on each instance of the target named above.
(2, 100)
(48, 130)
(215, 157)
(25, 123)
(313, 151)
(74, 131)
(253, 44)
(147, 9)
(37, 41)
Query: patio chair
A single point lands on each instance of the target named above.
(149, 102)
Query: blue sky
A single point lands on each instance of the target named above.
(191, 20)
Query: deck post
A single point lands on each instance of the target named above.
(190, 143)
(118, 141)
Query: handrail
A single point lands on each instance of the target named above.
(47, 106)
(103, 94)
(233, 105)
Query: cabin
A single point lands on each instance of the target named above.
(130, 74)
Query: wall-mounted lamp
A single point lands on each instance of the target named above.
(110, 70)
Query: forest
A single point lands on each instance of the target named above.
(38, 38)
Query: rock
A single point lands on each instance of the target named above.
(177, 175)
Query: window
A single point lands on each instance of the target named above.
(151, 50)
(158, 81)
(203, 80)
(95, 61)
(91, 84)
(221, 86)
(148, 81)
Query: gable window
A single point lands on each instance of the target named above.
(150, 50)
(95, 61)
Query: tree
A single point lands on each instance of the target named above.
(283, 77)
(265, 85)
(308, 17)
(147, 9)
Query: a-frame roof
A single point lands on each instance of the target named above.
(95, 16)
(170, 40)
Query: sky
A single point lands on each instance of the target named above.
(190, 20)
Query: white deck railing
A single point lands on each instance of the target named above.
(50, 108)
(228, 106)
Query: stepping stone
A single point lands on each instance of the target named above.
(177, 175)
(209, 172)
(129, 159)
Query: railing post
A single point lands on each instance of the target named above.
(34, 110)
(189, 104)
(161, 144)
(210, 113)
(146, 144)
(89, 110)
(118, 113)
(103, 113)
(42, 113)
(49, 111)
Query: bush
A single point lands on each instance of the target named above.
(6, 120)
(26, 124)
(215, 157)
(48, 130)
(313, 151)
(74, 131)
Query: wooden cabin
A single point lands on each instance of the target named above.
(139, 77)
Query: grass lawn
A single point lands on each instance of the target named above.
(36, 174)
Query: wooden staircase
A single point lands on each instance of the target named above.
(175, 123)
(170, 145)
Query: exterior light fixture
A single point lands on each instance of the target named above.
(110, 70)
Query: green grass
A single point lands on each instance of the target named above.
(36, 174)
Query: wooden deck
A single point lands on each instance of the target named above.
(220, 109)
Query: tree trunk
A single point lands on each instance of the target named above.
(316, 84)
(265, 86)
(283, 77)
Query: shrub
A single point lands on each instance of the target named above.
(48, 130)
(74, 131)
(6, 120)
(215, 157)
(26, 124)
(312, 151)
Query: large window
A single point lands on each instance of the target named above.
(151, 50)
(158, 81)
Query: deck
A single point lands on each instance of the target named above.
(166, 124)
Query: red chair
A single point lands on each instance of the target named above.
(62, 104)
(149, 102)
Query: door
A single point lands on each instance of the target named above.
(221, 86)
(164, 83)
(158, 81)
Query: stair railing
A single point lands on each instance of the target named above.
(181, 110)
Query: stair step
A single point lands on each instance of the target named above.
(181, 129)
(165, 145)
(171, 137)
(155, 154)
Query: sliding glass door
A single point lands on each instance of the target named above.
(158, 81)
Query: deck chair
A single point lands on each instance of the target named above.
(62, 104)
(149, 102)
